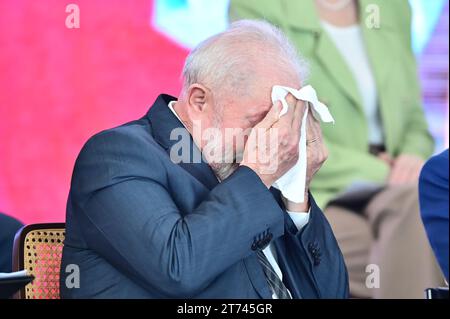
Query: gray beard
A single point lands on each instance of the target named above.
(223, 171)
(229, 163)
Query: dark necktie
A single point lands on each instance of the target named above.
(272, 278)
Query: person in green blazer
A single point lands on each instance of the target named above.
(363, 68)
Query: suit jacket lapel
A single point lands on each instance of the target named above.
(333, 62)
(289, 278)
(379, 42)
(164, 123)
(295, 264)
(302, 17)
(297, 275)
(257, 277)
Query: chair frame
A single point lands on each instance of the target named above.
(18, 262)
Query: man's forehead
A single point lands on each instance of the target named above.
(259, 108)
(263, 97)
(257, 98)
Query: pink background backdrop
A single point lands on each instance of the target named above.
(58, 86)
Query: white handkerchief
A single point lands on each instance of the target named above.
(292, 184)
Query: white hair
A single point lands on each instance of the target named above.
(226, 60)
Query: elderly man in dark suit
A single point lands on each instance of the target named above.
(179, 203)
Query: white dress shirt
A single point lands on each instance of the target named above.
(350, 43)
(300, 219)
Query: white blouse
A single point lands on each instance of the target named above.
(350, 44)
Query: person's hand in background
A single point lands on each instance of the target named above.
(405, 169)
(385, 157)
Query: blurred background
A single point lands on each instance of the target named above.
(58, 86)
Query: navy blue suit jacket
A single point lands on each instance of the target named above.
(140, 226)
(433, 195)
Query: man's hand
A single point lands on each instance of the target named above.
(285, 152)
(405, 169)
(272, 147)
(315, 147)
(317, 155)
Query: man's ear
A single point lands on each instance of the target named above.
(198, 96)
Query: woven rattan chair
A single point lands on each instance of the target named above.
(38, 249)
